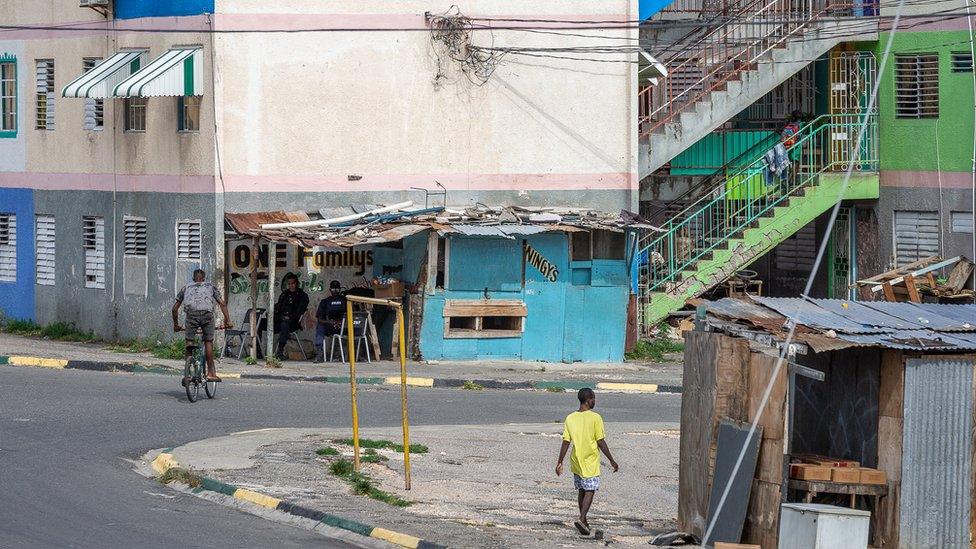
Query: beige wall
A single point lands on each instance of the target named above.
(333, 104)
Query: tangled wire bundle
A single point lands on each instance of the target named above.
(450, 37)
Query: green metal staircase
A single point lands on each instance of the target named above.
(747, 214)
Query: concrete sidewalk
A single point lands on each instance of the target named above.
(484, 486)
(625, 377)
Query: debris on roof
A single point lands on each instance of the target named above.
(831, 324)
(913, 281)
(373, 224)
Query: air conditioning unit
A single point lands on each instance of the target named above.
(94, 3)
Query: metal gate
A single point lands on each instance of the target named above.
(841, 256)
(937, 453)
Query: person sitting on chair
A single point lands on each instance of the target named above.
(329, 317)
(288, 313)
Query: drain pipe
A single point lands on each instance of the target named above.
(972, 66)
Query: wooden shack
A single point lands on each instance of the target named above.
(886, 386)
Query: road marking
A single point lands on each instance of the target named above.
(412, 381)
(254, 497)
(230, 376)
(395, 537)
(627, 387)
(35, 361)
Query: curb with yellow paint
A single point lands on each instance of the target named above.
(165, 461)
(426, 382)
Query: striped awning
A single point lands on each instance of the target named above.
(100, 80)
(178, 72)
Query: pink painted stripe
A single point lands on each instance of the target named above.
(454, 182)
(950, 180)
(80, 29)
(187, 184)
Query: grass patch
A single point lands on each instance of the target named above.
(554, 389)
(654, 350)
(472, 386)
(250, 360)
(363, 485)
(327, 451)
(174, 349)
(272, 362)
(372, 457)
(180, 474)
(60, 331)
(374, 444)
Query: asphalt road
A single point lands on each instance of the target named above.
(64, 435)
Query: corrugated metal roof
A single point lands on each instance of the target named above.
(250, 223)
(99, 81)
(839, 323)
(498, 231)
(809, 313)
(178, 72)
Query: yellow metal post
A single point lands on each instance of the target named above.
(352, 386)
(403, 398)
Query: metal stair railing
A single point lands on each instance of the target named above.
(723, 55)
(827, 144)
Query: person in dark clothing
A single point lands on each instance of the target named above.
(329, 317)
(288, 313)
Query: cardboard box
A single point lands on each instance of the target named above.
(388, 291)
(724, 545)
(872, 476)
(809, 471)
(845, 475)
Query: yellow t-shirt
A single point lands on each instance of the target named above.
(583, 430)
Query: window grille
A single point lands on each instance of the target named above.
(917, 86)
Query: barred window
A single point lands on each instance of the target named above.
(8, 96)
(94, 108)
(188, 111)
(135, 235)
(45, 95)
(917, 85)
(135, 114)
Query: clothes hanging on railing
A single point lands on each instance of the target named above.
(777, 164)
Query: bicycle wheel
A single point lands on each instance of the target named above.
(211, 388)
(191, 373)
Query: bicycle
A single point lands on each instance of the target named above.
(195, 371)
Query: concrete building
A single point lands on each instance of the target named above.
(705, 130)
(114, 186)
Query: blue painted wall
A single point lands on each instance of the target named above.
(131, 9)
(567, 321)
(17, 298)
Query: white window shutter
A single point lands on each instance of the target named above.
(8, 248)
(135, 236)
(94, 243)
(188, 239)
(916, 236)
(44, 235)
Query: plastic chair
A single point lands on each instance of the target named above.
(293, 335)
(360, 327)
(244, 335)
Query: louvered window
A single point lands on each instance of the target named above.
(44, 252)
(962, 61)
(93, 233)
(188, 239)
(916, 236)
(45, 94)
(962, 222)
(798, 252)
(94, 108)
(917, 85)
(135, 235)
(8, 248)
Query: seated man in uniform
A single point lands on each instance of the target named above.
(288, 313)
(329, 316)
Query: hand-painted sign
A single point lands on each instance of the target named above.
(543, 265)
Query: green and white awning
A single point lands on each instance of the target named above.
(101, 79)
(178, 72)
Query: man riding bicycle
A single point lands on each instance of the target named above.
(198, 299)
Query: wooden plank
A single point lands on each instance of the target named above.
(913, 294)
(771, 456)
(809, 471)
(890, 446)
(847, 475)
(871, 476)
(772, 420)
(485, 307)
(885, 518)
(959, 275)
(481, 334)
(762, 518)
(830, 487)
(891, 391)
(889, 293)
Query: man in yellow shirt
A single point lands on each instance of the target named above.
(584, 430)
